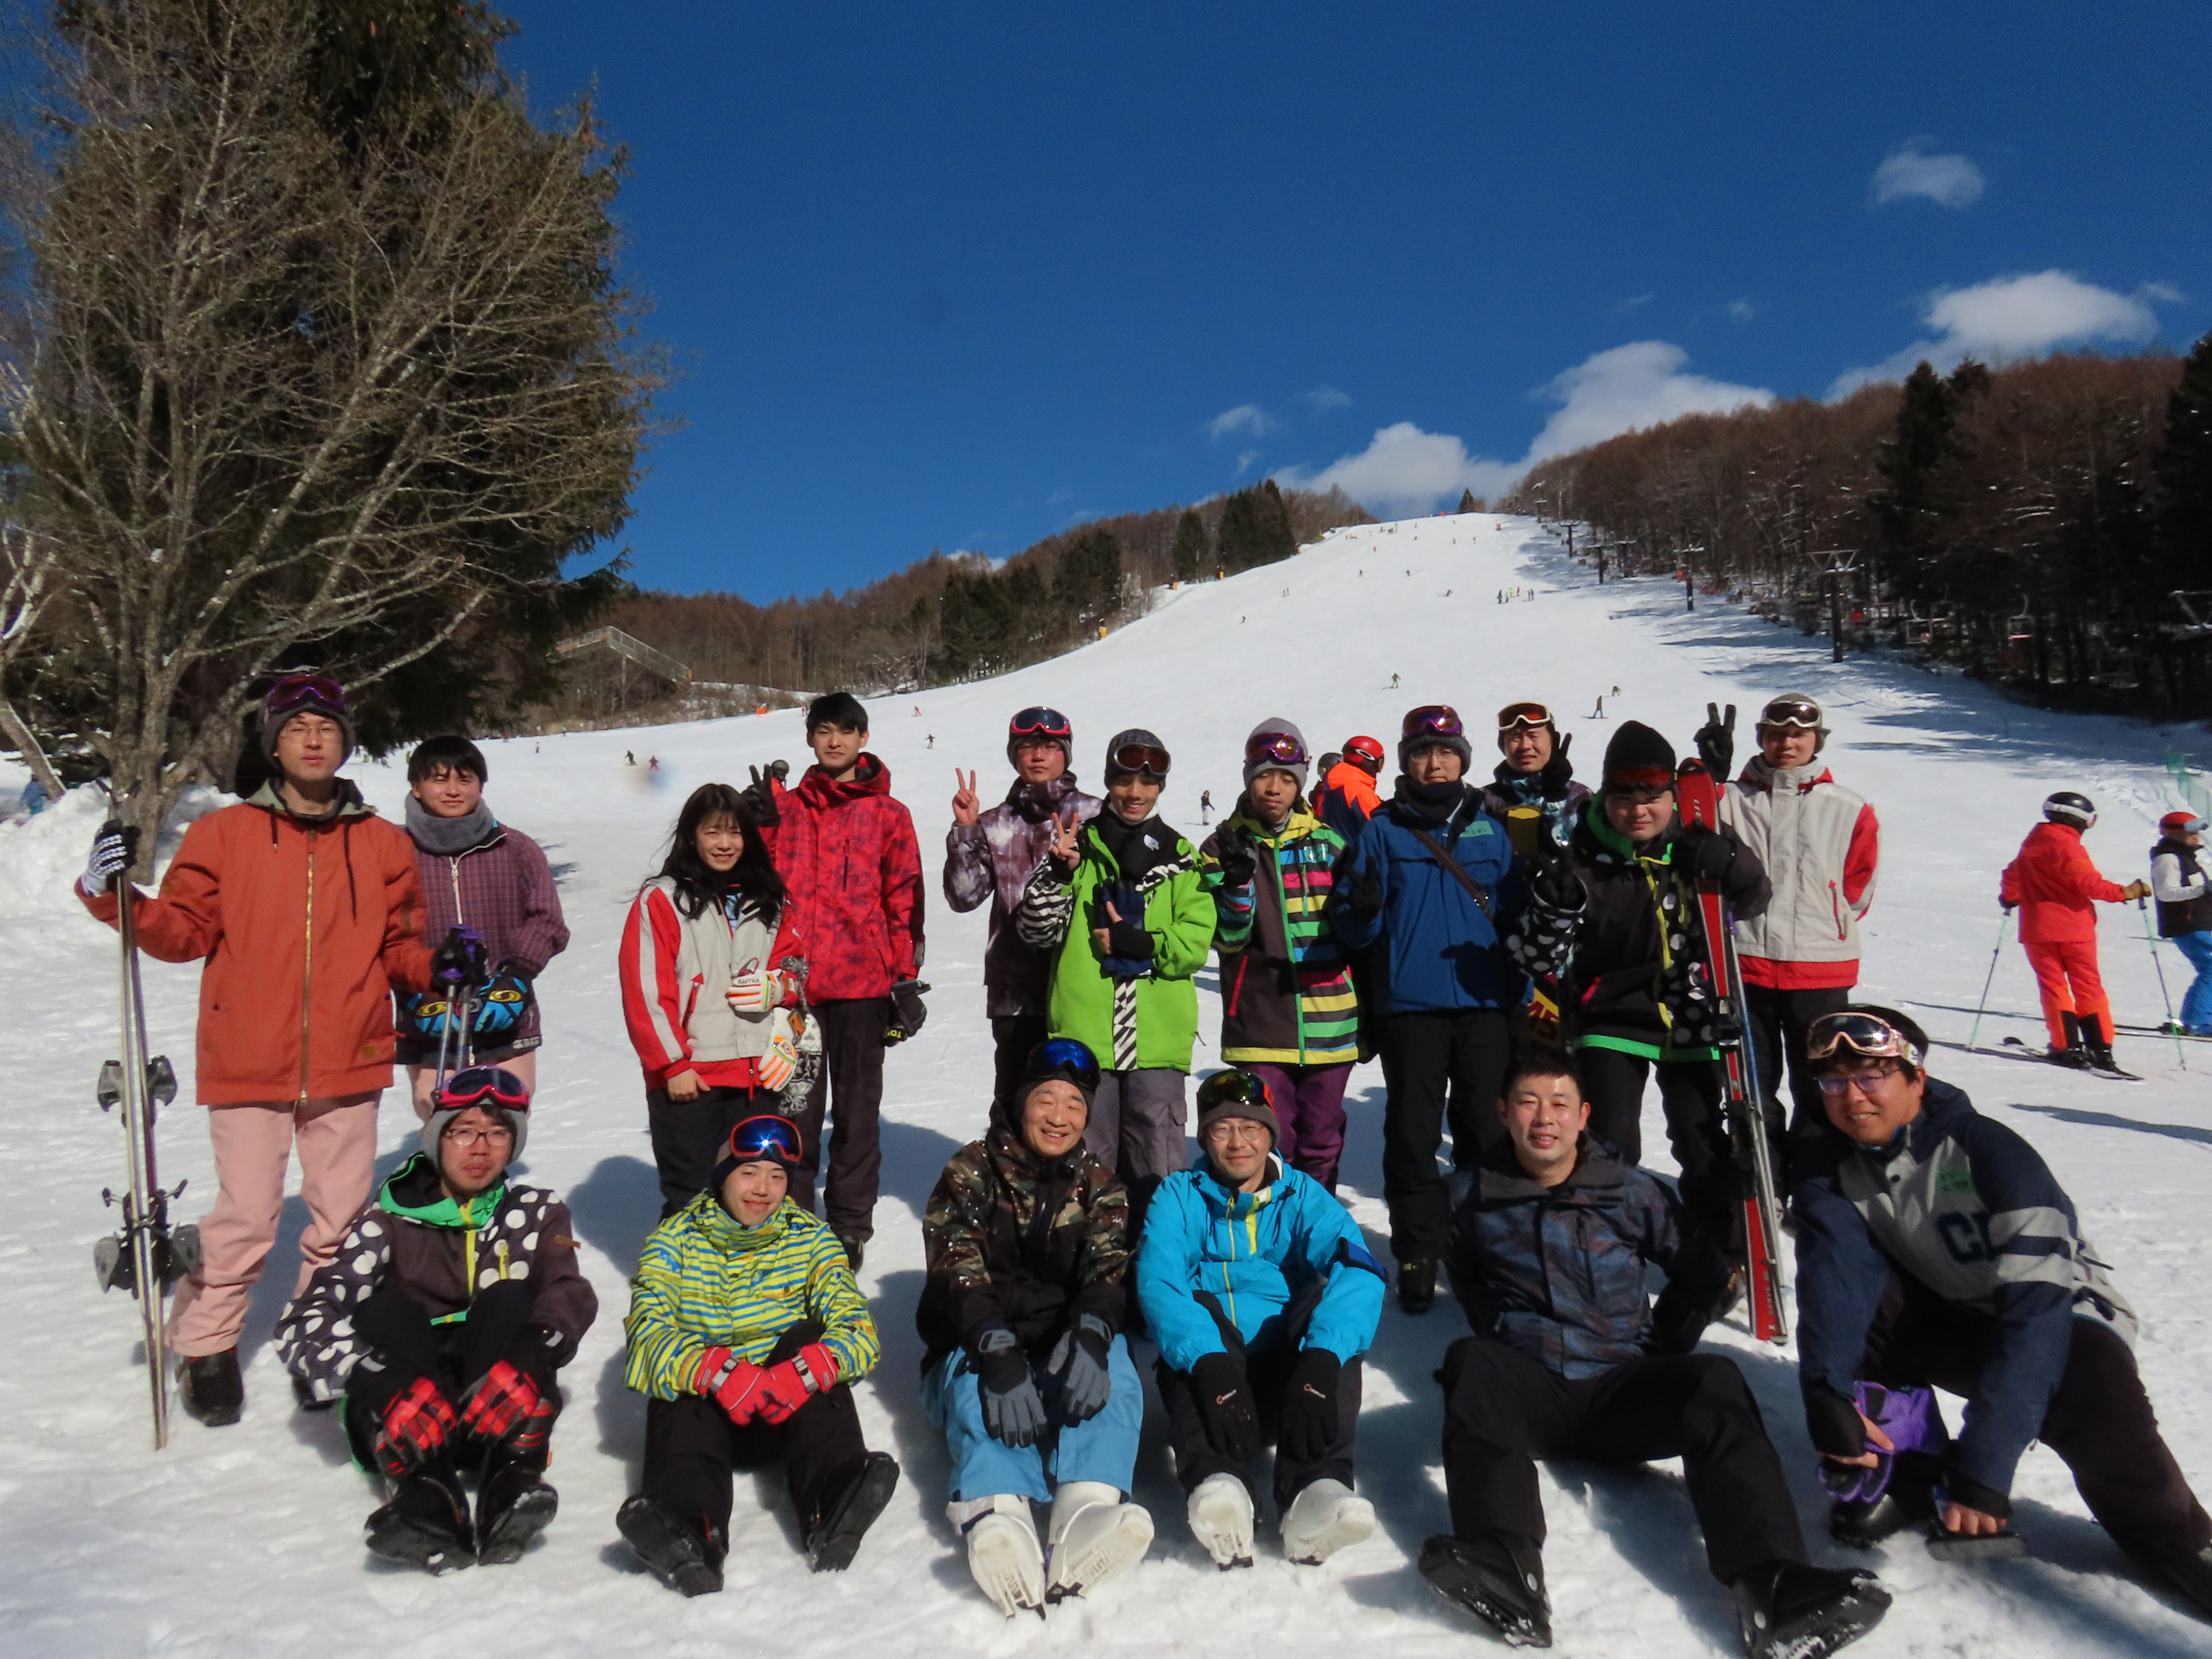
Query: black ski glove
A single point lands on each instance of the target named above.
(907, 1012)
(1225, 1406)
(459, 957)
(1127, 939)
(1707, 855)
(1834, 1424)
(1080, 1357)
(1557, 775)
(1238, 861)
(112, 850)
(759, 795)
(1308, 1424)
(1013, 1412)
(1363, 896)
(1715, 740)
(1554, 881)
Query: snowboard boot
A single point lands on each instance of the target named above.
(1864, 1525)
(855, 1249)
(1220, 1515)
(210, 1387)
(2071, 1052)
(1417, 1284)
(834, 1538)
(1898, 1492)
(513, 1507)
(1003, 1552)
(1322, 1519)
(1498, 1577)
(687, 1559)
(1094, 1534)
(1790, 1611)
(425, 1525)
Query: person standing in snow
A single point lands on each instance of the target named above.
(1936, 1250)
(1261, 1294)
(746, 1333)
(1027, 1370)
(1121, 906)
(1532, 792)
(477, 873)
(442, 1325)
(1289, 1013)
(990, 855)
(1570, 1358)
(1204, 807)
(2055, 886)
(1347, 797)
(2179, 884)
(713, 981)
(1819, 844)
(302, 873)
(847, 853)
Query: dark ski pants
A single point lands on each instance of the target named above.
(1012, 1037)
(851, 1085)
(1778, 1021)
(2099, 1419)
(406, 1346)
(1503, 1411)
(692, 1448)
(1697, 1130)
(1437, 1067)
(1268, 1371)
(1137, 1122)
(1309, 1101)
(688, 1135)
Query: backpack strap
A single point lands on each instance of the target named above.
(1452, 866)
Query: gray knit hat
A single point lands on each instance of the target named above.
(1278, 755)
(494, 1088)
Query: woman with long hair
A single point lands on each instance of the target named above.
(711, 980)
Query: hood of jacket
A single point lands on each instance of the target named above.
(1033, 803)
(347, 804)
(1299, 824)
(870, 777)
(413, 1191)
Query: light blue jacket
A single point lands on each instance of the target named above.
(1253, 1252)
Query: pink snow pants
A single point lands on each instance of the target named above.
(252, 1150)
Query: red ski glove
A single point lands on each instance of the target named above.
(417, 1424)
(505, 1404)
(786, 1388)
(732, 1382)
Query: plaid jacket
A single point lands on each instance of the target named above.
(503, 888)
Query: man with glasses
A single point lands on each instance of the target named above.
(1261, 1293)
(307, 909)
(1819, 843)
(1935, 1250)
(989, 855)
(1533, 791)
(442, 1324)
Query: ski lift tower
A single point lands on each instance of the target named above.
(1840, 564)
(1689, 575)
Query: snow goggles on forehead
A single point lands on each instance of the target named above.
(1275, 745)
(1518, 716)
(1064, 1057)
(1866, 1034)
(1039, 722)
(1141, 757)
(1439, 718)
(1233, 1088)
(1801, 712)
(484, 1086)
(764, 1139)
(293, 692)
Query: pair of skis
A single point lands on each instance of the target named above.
(1696, 793)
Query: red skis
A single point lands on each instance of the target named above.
(1699, 796)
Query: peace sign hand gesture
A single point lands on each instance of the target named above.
(967, 806)
(1064, 847)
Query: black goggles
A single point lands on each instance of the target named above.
(1064, 1057)
(1232, 1088)
(1866, 1034)
(294, 692)
(1141, 757)
(1039, 722)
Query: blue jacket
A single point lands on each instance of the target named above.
(1253, 1252)
(1435, 950)
(1965, 1206)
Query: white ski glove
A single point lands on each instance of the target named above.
(756, 994)
(112, 850)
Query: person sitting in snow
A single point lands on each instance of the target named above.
(1262, 1296)
(1028, 1371)
(746, 1332)
(440, 1326)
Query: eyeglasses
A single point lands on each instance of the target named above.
(1065, 1055)
(1515, 715)
(1236, 1087)
(1792, 711)
(1839, 1083)
(1141, 757)
(1275, 745)
(293, 692)
(1863, 1033)
(457, 1136)
(1237, 1132)
(484, 1086)
(766, 1139)
(1039, 721)
(1439, 718)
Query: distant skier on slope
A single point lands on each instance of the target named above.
(1936, 1250)
(2055, 886)
(2183, 891)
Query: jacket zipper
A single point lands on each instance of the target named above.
(307, 968)
(1835, 904)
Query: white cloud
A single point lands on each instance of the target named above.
(1405, 470)
(1245, 418)
(1245, 460)
(1951, 181)
(2010, 317)
(1740, 312)
(1328, 397)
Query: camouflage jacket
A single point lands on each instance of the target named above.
(1014, 1240)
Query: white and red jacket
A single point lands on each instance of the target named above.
(676, 972)
(1819, 842)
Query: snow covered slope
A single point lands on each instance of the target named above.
(246, 1540)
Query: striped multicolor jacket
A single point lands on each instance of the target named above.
(1287, 995)
(703, 1279)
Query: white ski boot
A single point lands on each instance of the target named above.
(1003, 1551)
(1322, 1519)
(1094, 1534)
(1221, 1519)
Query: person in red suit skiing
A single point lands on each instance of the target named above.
(2052, 884)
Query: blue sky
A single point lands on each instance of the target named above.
(959, 276)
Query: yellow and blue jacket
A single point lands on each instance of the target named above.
(703, 1280)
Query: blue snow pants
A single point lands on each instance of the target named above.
(2196, 1003)
(1102, 1447)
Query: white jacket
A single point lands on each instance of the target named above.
(1819, 843)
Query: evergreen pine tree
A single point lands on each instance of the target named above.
(1255, 528)
(1468, 503)
(1088, 581)
(2183, 474)
(1190, 550)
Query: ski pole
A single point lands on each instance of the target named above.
(1990, 978)
(2164, 995)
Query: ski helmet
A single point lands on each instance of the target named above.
(2069, 807)
(1368, 751)
(2181, 823)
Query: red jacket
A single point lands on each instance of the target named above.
(307, 927)
(847, 853)
(2053, 882)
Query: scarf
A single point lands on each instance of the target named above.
(448, 837)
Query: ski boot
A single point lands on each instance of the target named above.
(855, 1249)
(1322, 1519)
(1790, 1611)
(1898, 1492)
(1094, 1534)
(1003, 1551)
(1498, 1577)
(1417, 1284)
(210, 1387)
(2071, 1054)
(1220, 1517)
(2098, 1042)
(685, 1557)
(834, 1538)
(425, 1525)
(513, 1506)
